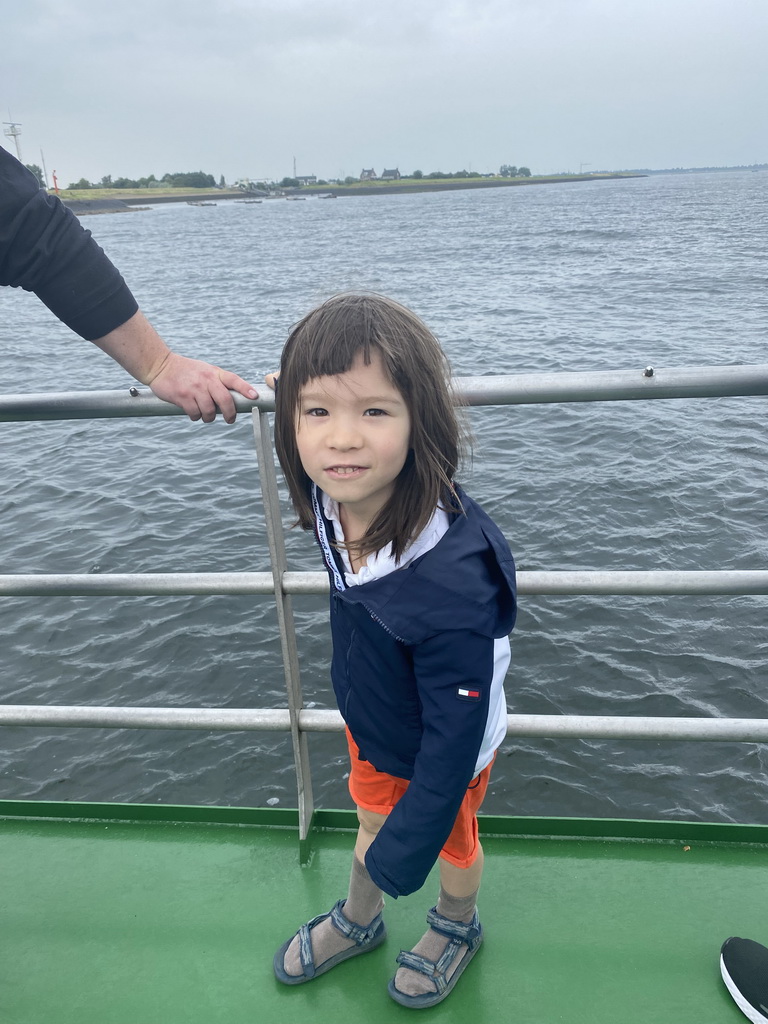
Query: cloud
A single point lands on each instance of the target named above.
(243, 86)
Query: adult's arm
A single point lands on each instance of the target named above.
(45, 250)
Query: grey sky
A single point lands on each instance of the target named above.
(241, 87)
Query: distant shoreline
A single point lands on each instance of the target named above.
(118, 201)
(132, 200)
(446, 185)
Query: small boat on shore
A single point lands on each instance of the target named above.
(194, 203)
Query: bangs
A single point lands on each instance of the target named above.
(340, 331)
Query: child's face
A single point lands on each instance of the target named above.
(353, 433)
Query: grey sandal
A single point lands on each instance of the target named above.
(365, 939)
(460, 934)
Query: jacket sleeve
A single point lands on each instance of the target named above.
(44, 249)
(409, 843)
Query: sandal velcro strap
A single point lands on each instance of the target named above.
(305, 948)
(355, 932)
(432, 970)
(469, 933)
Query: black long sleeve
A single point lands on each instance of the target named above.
(45, 250)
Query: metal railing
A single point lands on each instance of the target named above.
(599, 386)
(518, 389)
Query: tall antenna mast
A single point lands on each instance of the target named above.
(13, 131)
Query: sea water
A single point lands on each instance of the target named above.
(665, 270)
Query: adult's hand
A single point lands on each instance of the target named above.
(197, 387)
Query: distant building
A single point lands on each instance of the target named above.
(390, 175)
(307, 179)
(368, 175)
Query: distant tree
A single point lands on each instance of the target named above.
(290, 183)
(190, 179)
(106, 181)
(125, 183)
(437, 174)
(38, 173)
(508, 171)
(349, 180)
(418, 174)
(80, 184)
(523, 172)
(222, 182)
(322, 181)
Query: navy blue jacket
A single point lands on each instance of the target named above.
(43, 249)
(404, 646)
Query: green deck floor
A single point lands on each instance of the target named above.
(160, 922)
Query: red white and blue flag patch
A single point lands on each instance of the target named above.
(466, 694)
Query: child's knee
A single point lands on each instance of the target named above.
(370, 821)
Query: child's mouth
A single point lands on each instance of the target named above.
(344, 470)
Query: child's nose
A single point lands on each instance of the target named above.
(345, 435)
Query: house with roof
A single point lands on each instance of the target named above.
(393, 174)
(368, 175)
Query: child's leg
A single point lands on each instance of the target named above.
(364, 902)
(457, 902)
(461, 869)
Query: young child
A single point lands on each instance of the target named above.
(422, 602)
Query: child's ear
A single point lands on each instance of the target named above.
(271, 380)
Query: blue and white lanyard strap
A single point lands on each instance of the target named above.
(325, 546)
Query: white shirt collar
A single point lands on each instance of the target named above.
(381, 563)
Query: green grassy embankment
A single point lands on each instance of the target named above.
(358, 188)
(155, 194)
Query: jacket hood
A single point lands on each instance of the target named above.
(466, 581)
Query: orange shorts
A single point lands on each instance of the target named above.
(379, 792)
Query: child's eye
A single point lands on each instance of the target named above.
(375, 412)
(315, 412)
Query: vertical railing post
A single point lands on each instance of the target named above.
(276, 540)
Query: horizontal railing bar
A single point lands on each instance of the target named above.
(742, 730)
(214, 719)
(499, 389)
(124, 584)
(616, 385)
(84, 405)
(650, 583)
(617, 582)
